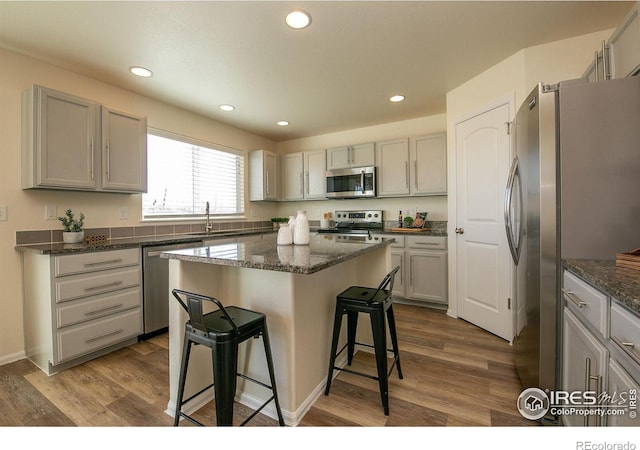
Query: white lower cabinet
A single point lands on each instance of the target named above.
(600, 341)
(80, 306)
(584, 366)
(423, 268)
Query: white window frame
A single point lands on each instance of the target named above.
(199, 215)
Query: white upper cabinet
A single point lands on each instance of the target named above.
(124, 151)
(73, 143)
(359, 155)
(263, 176)
(59, 132)
(304, 176)
(293, 177)
(416, 166)
(392, 168)
(624, 46)
(315, 166)
(428, 159)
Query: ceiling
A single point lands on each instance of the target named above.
(336, 74)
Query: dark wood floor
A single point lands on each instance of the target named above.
(455, 374)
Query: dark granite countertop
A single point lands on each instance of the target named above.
(620, 283)
(262, 252)
(133, 242)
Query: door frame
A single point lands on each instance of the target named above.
(452, 190)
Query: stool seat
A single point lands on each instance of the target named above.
(377, 302)
(222, 330)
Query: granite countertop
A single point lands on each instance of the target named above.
(262, 252)
(133, 242)
(621, 283)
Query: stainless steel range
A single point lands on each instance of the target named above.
(358, 222)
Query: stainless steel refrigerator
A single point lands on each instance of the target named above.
(573, 192)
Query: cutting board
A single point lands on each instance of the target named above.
(410, 230)
(630, 260)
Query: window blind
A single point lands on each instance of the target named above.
(183, 174)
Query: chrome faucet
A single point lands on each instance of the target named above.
(208, 226)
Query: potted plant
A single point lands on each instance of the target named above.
(278, 220)
(408, 222)
(72, 227)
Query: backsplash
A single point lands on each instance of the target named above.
(55, 236)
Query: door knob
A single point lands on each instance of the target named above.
(459, 230)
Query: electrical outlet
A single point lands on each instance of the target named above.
(3, 212)
(50, 212)
(123, 213)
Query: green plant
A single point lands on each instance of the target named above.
(279, 219)
(69, 223)
(408, 222)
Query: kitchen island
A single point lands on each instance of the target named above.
(295, 286)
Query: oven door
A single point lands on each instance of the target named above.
(351, 183)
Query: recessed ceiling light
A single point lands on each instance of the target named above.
(283, 123)
(140, 71)
(396, 98)
(298, 19)
(227, 107)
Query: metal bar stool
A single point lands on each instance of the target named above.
(375, 302)
(222, 330)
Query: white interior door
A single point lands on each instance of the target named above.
(483, 263)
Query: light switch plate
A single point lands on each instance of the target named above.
(123, 213)
(50, 212)
(3, 212)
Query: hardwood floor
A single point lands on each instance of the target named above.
(455, 374)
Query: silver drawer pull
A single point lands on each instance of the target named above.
(103, 286)
(627, 346)
(574, 298)
(95, 338)
(427, 243)
(97, 263)
(106, 308)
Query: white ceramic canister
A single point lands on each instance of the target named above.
(285, 237)
(301, 235)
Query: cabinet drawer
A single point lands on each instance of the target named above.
(586, 301)
(94, 261)
(99, 283)
(98, 334)
(98, 306)
(427, 242)
(399, 243)
(625, 331)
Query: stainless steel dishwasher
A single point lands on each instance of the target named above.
(155, 283)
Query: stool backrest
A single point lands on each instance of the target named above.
(193, 307)
(387, 282)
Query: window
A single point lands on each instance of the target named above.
(183, 175)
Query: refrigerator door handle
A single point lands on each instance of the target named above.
(514, 176)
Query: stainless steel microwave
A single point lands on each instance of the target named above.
(357, 182)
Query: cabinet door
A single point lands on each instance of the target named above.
(397, 259)
(315, 166)
(428, 171)
(584, 364)
(393, 168)
(338, 158)
(427, 273)
(363, 155)
(292, 177)
(124, 151)
(620, 382)
(271, 176)
(625, 46)
(66, 128)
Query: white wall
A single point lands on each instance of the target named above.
(435, 206)
(26, 207)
